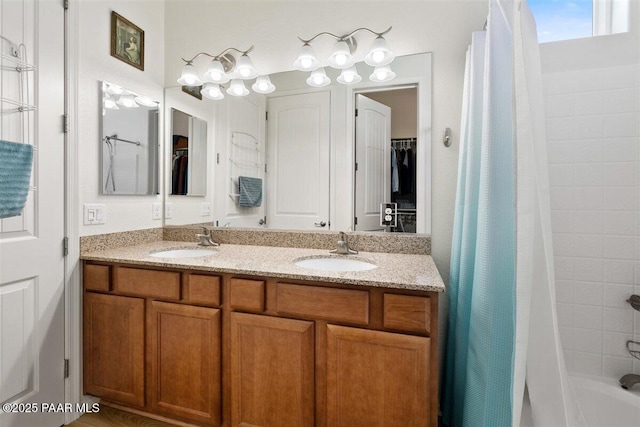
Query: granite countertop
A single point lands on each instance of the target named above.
(399, 271)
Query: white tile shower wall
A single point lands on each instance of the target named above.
(593, 132)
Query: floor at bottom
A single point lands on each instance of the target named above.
(111, 417)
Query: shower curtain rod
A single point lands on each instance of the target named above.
(115, 137)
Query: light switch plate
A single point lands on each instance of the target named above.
(168, 210)
(205, 209)
(94, 214)
(156, 211)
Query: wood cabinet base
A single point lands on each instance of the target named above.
(196, 348)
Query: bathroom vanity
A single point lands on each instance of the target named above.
(243, 337)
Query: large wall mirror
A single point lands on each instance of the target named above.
(318, 166)
(129, 142)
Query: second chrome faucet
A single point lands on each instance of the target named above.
(343, 245)
(205, 238)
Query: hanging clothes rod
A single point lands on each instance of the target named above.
(115, 138)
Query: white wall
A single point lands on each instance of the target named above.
(94, 65)
(592, 92)
(404, 119)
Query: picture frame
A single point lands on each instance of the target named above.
(127, 41)
(193, 91)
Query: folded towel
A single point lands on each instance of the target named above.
(15, 173)
(250, 190)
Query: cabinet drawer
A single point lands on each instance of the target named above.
(147, 283)
(407, 313)
(96, 277)
(201, 289)
(247, 294)
(341, 305)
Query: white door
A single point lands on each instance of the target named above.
(373, 159)
(31, 257)
(240, 152)
(298, 146)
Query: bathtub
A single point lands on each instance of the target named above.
(605, 404)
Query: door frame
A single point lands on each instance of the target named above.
(72, 263)
(423, 84)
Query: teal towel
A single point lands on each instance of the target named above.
(15, 174)
(250, 191)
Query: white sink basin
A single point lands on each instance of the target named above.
(334, 264)
(183, 253)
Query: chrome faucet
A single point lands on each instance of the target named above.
(343, 245)
(206, 238)
(629, 380)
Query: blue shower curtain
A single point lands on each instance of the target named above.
(502, 327)
(480, 343)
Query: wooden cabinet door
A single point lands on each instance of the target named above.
(272, 371)
(184, 352)
(114, 348)
(377, 379)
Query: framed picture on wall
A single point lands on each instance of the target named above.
(193, 91)
(127, 41)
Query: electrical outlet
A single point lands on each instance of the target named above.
(205, 209)
(95, 214)
(168, 210)
(156, 211)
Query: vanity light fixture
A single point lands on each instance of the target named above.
(126, 100)
(237, 88)
(245, 69)
(114, 97)
(379, 54)
(223, 68)
(215, 73)
(144, 101)
(318, 78)
(189, 76)
(349, 76)
(263, 85)
(342, 57)
(109, 102)
(382, 74)
(307, 60)
(111, 89)
(212, 91)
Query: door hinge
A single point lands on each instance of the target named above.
(66, 4)
(65, 246)
(65, 123)
(356, 112)
(266, 115)
(265, 168)
(356, 166)
(218, 158)
(66, 368)
(355, 220)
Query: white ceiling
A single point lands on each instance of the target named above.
(193, 26)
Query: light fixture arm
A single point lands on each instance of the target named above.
(346, 36)
(221, 55)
